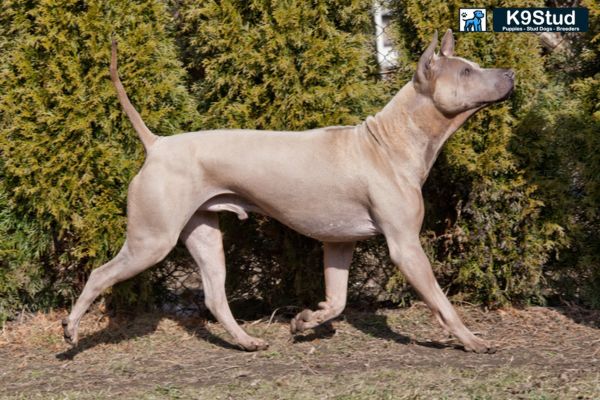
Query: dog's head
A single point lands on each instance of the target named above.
(478, 14)
(456, 85)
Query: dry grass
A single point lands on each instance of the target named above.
(397, 354)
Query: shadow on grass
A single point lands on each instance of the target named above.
(121, 328)
(373, 325)
(125, 327)
(324, 331)
(378, 326)
(580, 315)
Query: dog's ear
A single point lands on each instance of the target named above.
(425, 66)
(447, 48)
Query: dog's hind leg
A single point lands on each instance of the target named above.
(128, 263)
(153, 227)
(204, 241)
(337, 258)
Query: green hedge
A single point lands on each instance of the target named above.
(558, 145)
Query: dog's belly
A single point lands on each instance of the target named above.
(332, 227)
(325, 222)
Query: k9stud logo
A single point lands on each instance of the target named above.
(540, 19)
(472, 19)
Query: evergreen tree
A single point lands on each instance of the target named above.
(281, 65)
(67, 149)
(559, 139)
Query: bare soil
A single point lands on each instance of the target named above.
(543, 353)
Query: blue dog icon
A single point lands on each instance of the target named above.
(473, 24)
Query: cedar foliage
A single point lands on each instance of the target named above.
(281, 65)
(483, 223)
(558, 143)
(67, 150)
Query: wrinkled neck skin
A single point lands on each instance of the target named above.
(411, 131)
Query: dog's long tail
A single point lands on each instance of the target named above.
(146, 136)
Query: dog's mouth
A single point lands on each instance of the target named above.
(510, 76)
(504, 86)
(507, 95)
(481, 104)
(508, 91)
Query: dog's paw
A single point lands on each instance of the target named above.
(253, 344)
(480, 346)
(69, 333)
(301, 322)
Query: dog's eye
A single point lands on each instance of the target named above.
(466, 72)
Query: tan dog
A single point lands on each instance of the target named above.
(336, 184)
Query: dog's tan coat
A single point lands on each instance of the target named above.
(336, 184)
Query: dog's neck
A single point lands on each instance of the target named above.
(412, 131)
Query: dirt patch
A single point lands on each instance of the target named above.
(543, 353)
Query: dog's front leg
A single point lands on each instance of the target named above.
(337, 258)
(406, 253)
(400, 216)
